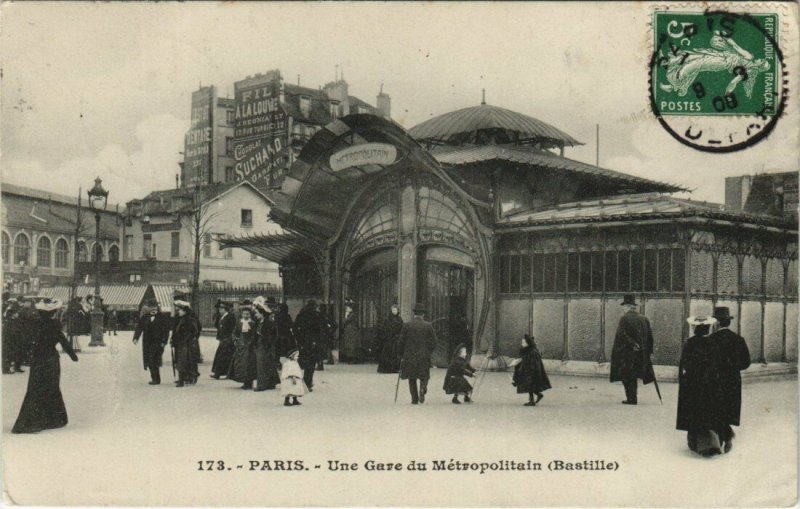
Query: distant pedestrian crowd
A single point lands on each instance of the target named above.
(261, 347)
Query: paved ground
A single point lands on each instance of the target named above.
(129, 443)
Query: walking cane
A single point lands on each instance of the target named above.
(397, 385)
(649, 367)
(172, 358)
(479, 381)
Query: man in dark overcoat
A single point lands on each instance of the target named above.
(735, 357)
(632, 352)
(417, 342)
(154, 328)
(309, 327)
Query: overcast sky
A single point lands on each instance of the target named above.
(104, 89)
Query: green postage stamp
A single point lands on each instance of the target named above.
(718, 80)
(715, 63)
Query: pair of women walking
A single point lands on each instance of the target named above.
(255, 363)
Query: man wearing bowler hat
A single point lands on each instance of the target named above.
(417, 341)
(153, 327)
(735, 358)
(633, 348)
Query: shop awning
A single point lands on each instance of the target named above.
(280, 248)
(164, 294)
(121, 297)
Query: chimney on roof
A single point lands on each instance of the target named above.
(737, 189)
(177, 181)
(337, 91)
(384, 103)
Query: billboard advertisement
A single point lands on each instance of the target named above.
(260, 129)
(197, 150)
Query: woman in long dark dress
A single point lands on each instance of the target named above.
(244, 360)
(226, 324)
(529, 374)
(43, 407)
(183, 338)
(351, 348)
(388, 340)
(284, 328)
(701, 412)
(266, 361)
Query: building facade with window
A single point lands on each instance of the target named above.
(256, 135)
(480, 216)
(39, 245)
(208, 144)
(159, 243)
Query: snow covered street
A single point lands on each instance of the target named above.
(131, 443)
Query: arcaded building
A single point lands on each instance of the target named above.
(479, 215)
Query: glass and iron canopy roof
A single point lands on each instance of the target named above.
(489, 124)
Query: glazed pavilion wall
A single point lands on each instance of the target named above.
(756, 277)
(565, 287)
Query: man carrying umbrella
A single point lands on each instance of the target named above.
(633, 349)
(417, 342)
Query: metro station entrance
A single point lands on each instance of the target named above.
(447, 290)
(374, 290)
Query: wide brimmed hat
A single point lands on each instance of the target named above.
(224, 304)
(246, 302)
(183, 305)
(49, 305)
(292, 352)
(701, 320)
(628, 299)
(419, 308)
(722, 313)
(261, 303)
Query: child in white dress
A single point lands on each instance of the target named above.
(292, 385)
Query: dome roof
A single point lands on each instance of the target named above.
(468, 125)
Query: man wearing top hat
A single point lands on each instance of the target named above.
(633, 348)
(417, 342)
(153, 327)
(309, 327)
(735, 357)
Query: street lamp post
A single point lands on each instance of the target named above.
(98, 200)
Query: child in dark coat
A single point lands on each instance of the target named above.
(454, 381)
(529, 374)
